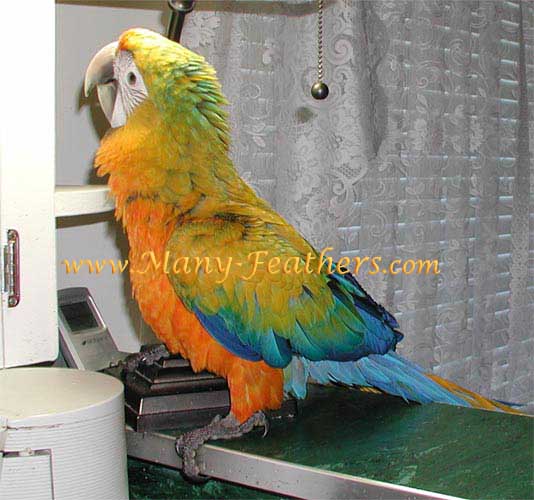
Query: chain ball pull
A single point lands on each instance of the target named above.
(320, 89)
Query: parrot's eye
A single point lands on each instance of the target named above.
(120, 84)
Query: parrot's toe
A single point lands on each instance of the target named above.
(229, 427)
(147, 356)
(259, 420)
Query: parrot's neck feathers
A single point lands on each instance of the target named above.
(183, 163)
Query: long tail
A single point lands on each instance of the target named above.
(392, 374)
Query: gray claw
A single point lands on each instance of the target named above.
(189, 443)
(265, 426)
(148, 356)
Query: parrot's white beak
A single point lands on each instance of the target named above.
(101, 73)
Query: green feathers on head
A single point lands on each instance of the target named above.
(182, 85)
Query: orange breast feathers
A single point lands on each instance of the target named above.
(253, 386)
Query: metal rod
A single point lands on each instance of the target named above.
(179, 9)
(277, 476)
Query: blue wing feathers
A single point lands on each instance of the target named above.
(276, 350)
(218, 330)
(354, 327)
(362, 299)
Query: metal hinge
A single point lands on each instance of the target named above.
(12, 268)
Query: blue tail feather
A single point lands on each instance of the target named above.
(389, 373)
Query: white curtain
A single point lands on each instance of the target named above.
(423, 150)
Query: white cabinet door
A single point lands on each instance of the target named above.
(28, 331)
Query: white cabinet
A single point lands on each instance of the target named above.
(28, 331)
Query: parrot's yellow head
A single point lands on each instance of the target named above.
(145, 66)
(169, 138)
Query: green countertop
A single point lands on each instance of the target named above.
(445, 449)
(152, 482)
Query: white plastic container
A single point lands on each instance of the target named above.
(61, 435)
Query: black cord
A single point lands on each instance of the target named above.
(179, 9)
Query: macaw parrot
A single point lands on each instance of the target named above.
(180, 197)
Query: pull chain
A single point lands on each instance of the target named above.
(320, 89)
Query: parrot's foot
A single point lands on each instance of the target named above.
(147, 356)
(228, 427)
